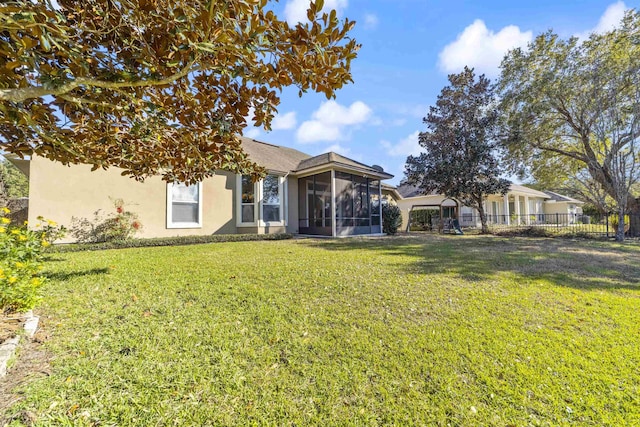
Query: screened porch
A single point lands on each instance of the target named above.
(338, 203)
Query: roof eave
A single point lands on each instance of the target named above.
(24, 165)
(341, 166)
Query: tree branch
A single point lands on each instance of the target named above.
(23, 94)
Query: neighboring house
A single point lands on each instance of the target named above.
(557, 203)
(521, 204)
(329, 195)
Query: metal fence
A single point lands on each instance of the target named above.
(603, 225)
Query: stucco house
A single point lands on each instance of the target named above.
(521, 205)
(328, 195)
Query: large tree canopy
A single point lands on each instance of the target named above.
(579, 101)
(156, 86)
(568, 176)
(460, 160)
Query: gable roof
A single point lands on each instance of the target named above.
(392, 189)
(24, 165)
(273, 157)
(407, 191)
(561, 198)
(527, 190)
(284, 159)
(335, 159)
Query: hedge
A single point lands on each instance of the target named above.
(166, 241)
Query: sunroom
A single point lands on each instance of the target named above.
(339, 197)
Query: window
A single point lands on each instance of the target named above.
(260, 203)
(468, 214)
(184, 205)
(271, 199)
(247, 203)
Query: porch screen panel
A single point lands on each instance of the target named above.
(354, 196)
(361, 202)
(303, 203)
(314, 204)
(322, 196)
(344, 200)
(374, 205)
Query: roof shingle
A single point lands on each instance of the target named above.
(273, 157)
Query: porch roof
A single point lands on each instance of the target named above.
(408, 191)
(521, 189)
(556, 197)
(285, 159)
(331, 159)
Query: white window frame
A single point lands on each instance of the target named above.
(258, 192)
(170, 223)
(281, 195)
(239, 204)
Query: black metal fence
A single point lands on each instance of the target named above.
(601, 225)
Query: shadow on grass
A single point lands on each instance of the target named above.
(570, 263)
(50, 258)
(62, 276)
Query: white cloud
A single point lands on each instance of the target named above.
(414, 110)
(296, 10)
(252, 133)
(313, 131)
(608, 21)
(408, 146)
(370, 21)
(328, 121)
(481, 48)
(284, 121)
(331, 112)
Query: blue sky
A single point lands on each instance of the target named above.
(408, 48)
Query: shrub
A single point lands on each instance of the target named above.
(21, 260)
(614, 219)
(119, 225)
(168, 241)
(391, 219)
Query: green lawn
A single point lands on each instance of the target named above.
(450, 331)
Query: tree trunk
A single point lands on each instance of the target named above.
(602, 175)
(621, 224)
(634, 217)
(483, 219)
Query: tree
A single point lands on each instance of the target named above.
(156, 86)
(391, 218)
(13, 183)
(568, 176)
(460, 159)
(579, 101)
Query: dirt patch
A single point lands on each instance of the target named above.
(9, 327)
(32, 361)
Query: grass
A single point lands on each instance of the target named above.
(444, 331)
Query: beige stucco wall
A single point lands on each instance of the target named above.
(561, 208)
(60, 192)
(554, 208)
